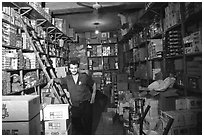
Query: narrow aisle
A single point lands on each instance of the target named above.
(102, 124)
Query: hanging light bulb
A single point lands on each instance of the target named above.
(96, 31)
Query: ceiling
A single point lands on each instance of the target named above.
(82, 18)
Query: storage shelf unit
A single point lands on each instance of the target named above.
(42, 22)
(102, 58)
(187, 21)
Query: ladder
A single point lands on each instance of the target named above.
(47, 68)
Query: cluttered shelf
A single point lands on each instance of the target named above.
(27, 90)
(152, 9)
(32, 13)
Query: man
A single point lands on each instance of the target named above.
(82, 91)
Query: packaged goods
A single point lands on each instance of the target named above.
(56, 111)
(31, 127)
(20, 108)
(62, 124)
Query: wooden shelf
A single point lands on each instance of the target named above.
(9, 46)
(174, 57)
(24, 90)
(194, 54)
(173, 27)
(157, 36)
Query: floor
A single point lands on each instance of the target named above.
(101, 124)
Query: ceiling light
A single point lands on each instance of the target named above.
(96, 31)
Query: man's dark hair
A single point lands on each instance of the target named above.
(74, 62)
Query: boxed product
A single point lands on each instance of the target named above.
(122, 78)
(20, 108)
(167, 100)
(31, 127)
(193, 103)
(61, 124)
(122, 86)
(57, 132)
(56, 111)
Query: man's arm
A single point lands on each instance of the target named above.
(93, 94)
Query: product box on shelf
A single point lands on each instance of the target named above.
(31, 127)
(20, 108)
(57, 132)
(122, 86)
(122, 78)
(62, 124)
(56, 112)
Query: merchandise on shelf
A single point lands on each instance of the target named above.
(8, 35)
(155, 48)
(10, 58)
(156, 27)
(6, 82)
(193, 43)
(172, 15)
(16, 85)
(30, 79)
(37, 6)
(173, 43)
(31, 61)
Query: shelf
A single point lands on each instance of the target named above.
(157, 36)
(27, 50)
(96, 57)
(20, 69)
(173, 27)
(175, 57)
(24, 90)
(94, 44)
(134, 29)
(107, 44)
(194, 54)
(110, 56)
(9, 46)
(158, 58)
(33, 14)
(154, 9)
(96, 70)
(5, 21)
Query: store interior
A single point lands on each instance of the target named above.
(145, 60)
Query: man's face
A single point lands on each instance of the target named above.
(74, 69)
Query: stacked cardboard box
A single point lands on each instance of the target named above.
(155, 48)
(20, 115)
(172, 15)
(57, 119)
(185, 121)
(193, 43)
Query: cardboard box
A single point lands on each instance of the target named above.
(56, 132)
(167, 100)
(20, 108)
(56, 112)
(193, 103)
(122, 78)
(62, 124)
(180, 104)
(31, 127)
(122, 86)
